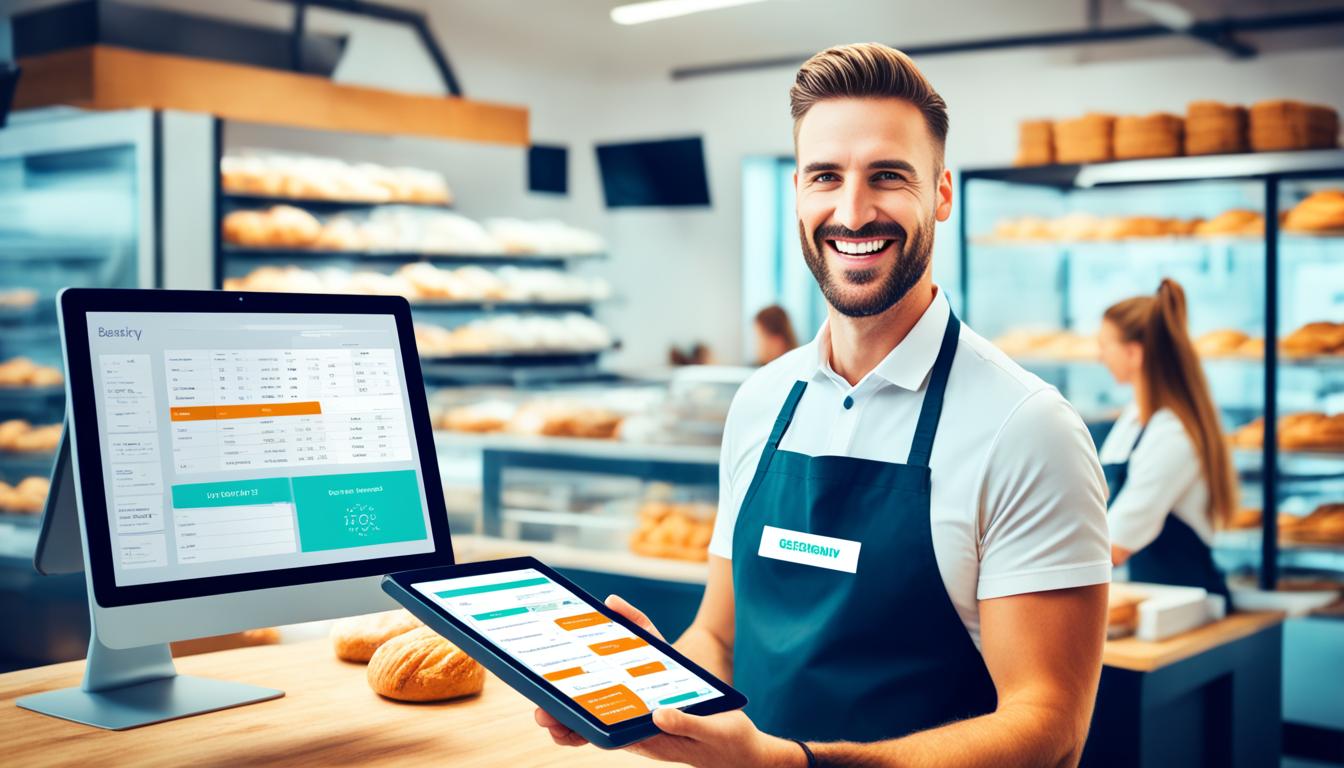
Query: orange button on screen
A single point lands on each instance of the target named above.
(647, 669)
(582, 620)
(614, 704)
(561, 674)
(616, 646)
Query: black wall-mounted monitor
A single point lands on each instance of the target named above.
(654, 173)
(548, 169)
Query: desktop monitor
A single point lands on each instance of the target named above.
(240, 460)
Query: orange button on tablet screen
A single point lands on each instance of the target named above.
(582, 620)
(614, 704)
(616, 646)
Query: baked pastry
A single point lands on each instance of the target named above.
(489, 416)
(356, 638)
(11, 431)
(26, 498)
(1237, 221)
(1087, 139)
(1318, 338)
(1036, 143)
(1321, 211)
(1283, 124)
(1156, 135)
(1213, 128)
(1245, 518)
(421, 665)
(1311, 431)
(680, 531)
(1220, 343)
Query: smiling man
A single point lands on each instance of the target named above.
(910, 560)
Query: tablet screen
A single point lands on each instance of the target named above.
(239, 442)
(604, 667)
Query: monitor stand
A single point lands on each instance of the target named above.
(122, 688)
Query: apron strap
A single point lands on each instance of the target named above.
(922, 446)
(782, 422)
(1142, 428)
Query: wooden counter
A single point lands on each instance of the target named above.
(328, 716)
(1139, 656)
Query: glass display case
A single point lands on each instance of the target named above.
(77, 208)
(1263, 282)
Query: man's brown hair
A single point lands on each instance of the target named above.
(867, 71)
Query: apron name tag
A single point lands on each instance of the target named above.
(809, 549)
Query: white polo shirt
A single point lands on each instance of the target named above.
(1164, 477)
(1018, 497)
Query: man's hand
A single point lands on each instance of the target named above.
(728, 738)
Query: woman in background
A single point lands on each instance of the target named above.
(1169, 471)
(774, 334)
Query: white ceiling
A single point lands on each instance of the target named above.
(579, 34)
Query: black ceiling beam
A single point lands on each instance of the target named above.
(412, 19)
(1219, 32)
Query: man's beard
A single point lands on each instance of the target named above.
(912, 259)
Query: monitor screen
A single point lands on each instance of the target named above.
(244, 442)
(654, 173)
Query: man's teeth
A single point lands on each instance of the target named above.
(859, 249)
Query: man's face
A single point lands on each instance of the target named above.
(870, 187)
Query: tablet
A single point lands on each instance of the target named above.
(589, 667)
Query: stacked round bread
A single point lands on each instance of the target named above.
(1309, 431)
(22, 372)
(1283, 124)
(281, 226)
(322, 178)
(1214, 128)
(422, 281)
(680, 531)
(26, 497)
(1321, 211)
(1156, 135)
(19, 436)
(1036, 143)
(567, 333)
(1086, 139)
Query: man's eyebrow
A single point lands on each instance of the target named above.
(892, 165)
(815, 167)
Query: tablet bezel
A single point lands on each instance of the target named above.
(74, 306)
(729, 699)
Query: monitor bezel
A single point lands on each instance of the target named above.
(74, 306)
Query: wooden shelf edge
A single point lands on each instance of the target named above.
(106, 77)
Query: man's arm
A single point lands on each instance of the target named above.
(1043, 651)
(709, 640)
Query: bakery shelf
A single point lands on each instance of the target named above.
(1268, 283)
(272, 255)
(517, 370)
(1243, 548)
(24, 398)
(1251, 165)
(430, 305)
(321, 205)
(573, 446)
(471, 548)
(25, 463)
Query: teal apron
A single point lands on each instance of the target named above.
(831, 655)
(1177, 556)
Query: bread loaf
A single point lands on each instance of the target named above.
(421, 665)
(356, 638)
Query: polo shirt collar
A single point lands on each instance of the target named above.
(908, 364)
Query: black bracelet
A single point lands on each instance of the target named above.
(807, 752)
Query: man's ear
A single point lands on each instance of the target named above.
(943, 207)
